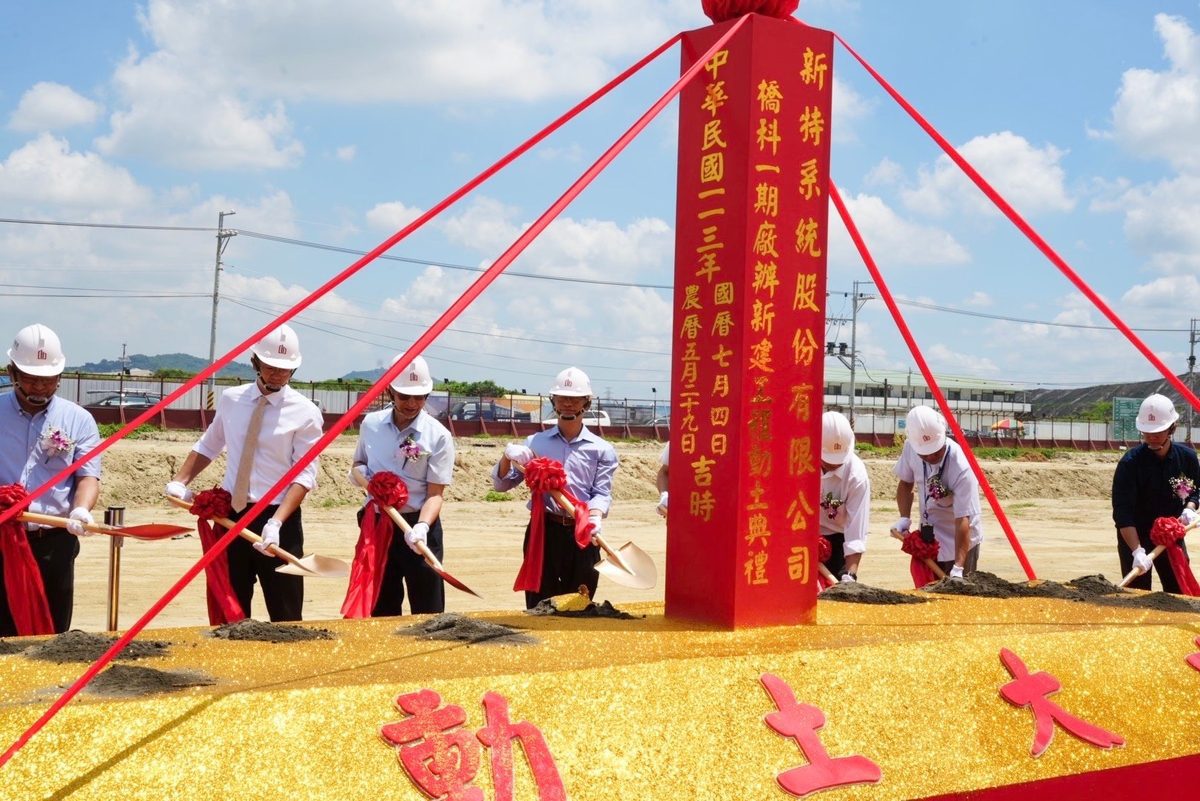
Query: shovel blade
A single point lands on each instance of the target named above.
(149, 531)
(315, 566)
(642, 574)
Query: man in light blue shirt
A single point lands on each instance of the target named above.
(590, 463)
(40, 434)
(404, 439)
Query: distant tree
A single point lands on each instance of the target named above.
(1099, 412)
(172, 373)
(485, 389)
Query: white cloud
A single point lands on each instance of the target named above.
(1157, 113)
(978, 300)
(885, 173)
(346, 153)
(392, 216)
(1160, 223)
(47, 171)
(949, 361)
(890, 238)
(1177, 293)
(849, 109)
(1029, 178)
(48, 106)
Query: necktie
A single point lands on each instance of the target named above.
(241, 483)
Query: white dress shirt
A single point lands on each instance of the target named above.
(850, 484)
(379, 449)
(291, 425)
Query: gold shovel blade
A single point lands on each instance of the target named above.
(642, 574)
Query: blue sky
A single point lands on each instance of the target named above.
(336, 123)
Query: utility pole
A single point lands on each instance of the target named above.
(223, 238)
(859, 301)
(1193, 339)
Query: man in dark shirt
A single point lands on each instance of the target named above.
(1158, 478)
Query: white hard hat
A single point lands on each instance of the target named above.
(837, 438)
(36, 351)
(926, 430)
(1157, 413)
(572, 383)
(414, 379)
(280, 348)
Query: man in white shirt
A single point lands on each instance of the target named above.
(404, 439)
(662, 480)
(290, 425)
(845, 497)
(935, 469)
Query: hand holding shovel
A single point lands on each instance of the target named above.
(311, 565)
(434, 563)
(929, 563)
(1154, 554)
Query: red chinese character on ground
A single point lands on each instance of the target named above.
(440, 758)
(1031, 690)
(801, 722)
(1194, 659)
(498, 735)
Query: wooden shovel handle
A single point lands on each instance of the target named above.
(933, 566)
(61, 522)
(245, 534)
(1157, 552)
(402, 524)
(826, 573)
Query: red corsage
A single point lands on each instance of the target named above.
(212, 504)
(387, 489)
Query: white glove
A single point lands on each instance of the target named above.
(902, 525)
(662, 504)
(597, 523)
(177, 489)
(270, 536)
(80, 517)
(1141, 561)
(516, 452)
(956, 573)
(847, 579)
(1189, 516)
(419, 533)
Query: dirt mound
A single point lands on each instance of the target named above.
(856, 592)
(460, 628)
(80, 646)
(259, 631)
(130, 681)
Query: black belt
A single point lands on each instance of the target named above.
(34, 533)
(562, 520)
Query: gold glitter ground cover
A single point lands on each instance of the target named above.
(652, 708)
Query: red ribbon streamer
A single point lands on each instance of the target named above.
(920, 550)
(22, 579)
(223, 605)
(1168, 532)
(824, 551)
(545, 475)
(374, 542)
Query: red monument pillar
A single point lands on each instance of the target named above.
(749, 321)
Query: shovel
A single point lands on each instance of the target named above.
(929, 563)
(628, 565)
(1157, 552)
(309, 566)
(146, 531)
(430, 559)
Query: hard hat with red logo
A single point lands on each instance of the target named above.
(414, 379)
(837, 438)
(572, 383)
(926, 430)
(36, 351)
(280, 348)
(1156, 414)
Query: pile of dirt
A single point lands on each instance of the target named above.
(135, 472)
(855, 592)
(130, 681)
(80, 646)
(9, 648)
(602, 609)
(1157, 601)
(259, 631)
(460, 628)
(987, 585)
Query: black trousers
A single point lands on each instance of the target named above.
(1162, 565)
(565, 566)
(406, 569)
(837, 554)
(284, 594)
(55, 550)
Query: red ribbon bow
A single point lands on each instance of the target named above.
(1167, 532)
(223, 605)
(374, 541)
(544, 475)
(919, 550)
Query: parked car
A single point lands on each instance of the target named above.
(591, 417)
(489, 410)
(131, 399)
(664, 421)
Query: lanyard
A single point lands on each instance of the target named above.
(925, 482)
